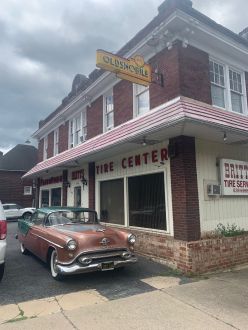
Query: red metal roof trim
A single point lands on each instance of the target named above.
(182, 109)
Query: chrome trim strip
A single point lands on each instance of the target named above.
(90, 252)
(60, 246)
(77, 269)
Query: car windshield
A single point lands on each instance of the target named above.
(67, 217)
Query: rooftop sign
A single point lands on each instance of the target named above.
(133, 69)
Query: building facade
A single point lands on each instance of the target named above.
(168, 161)
(13, 165)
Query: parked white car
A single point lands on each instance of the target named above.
(3, 234)
(12, 211)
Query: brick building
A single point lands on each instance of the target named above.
(168, 161)
(13, 165)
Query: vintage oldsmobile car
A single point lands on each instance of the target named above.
(72, 240)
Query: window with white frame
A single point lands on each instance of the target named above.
(84, 126)
(108, 111)
(226, 87)
(78, 129)
(45, 147)
(141, 99)
(27, 190)
(56, 142)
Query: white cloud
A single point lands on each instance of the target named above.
(44, 44)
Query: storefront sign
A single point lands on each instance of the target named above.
(154, 156)
(75, 175)
(133, 69)
(52, 180)
(234, 177)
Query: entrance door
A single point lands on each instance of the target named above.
(77, 196)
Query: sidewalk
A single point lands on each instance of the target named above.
(220, 302)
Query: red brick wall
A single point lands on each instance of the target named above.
(64, 188)
(40, 150)
(95, 118)
(216, 253)
(50, 144)
(12, 188)
(167, 63)
(185, 72)
(185, 201)
(194, 74)
(63, 136)
(91, 183)
(123, 102)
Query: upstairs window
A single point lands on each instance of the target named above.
(56, 142)
(78, 129)
(108, 111)
(217, 84)
(45, 147)
(227, 87)
(141, 99)
(236, 91)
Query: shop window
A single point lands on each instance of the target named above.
(141, 99)
(112, 201)
(77, 196)
(56, 197)
(226, 87)
(146, 197)
(108, 111)
(44, 198)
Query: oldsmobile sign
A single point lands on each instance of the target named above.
(133, 69)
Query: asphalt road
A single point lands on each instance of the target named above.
(27, 278)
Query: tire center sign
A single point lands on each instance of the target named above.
(234, 177)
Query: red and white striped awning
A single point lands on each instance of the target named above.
(180, 110)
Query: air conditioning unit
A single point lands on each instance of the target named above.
(213, 189)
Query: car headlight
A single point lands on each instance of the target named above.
(131, 238)
(71, 245)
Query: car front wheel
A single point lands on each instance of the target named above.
(53, 266)
(1, 271)
(23, 249)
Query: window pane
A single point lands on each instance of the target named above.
(112, 201)
(56, 197)
(44, 198)
(110, 121)
(218, 98)
(147, 201)
(236, 102)
(143, 102)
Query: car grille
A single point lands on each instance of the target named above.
(101, 256)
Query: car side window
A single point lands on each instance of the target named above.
(37, 218)
(6, 207)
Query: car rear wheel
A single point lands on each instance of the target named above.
(1, 271)
(53, 266)
(26, 215)
(23, 249)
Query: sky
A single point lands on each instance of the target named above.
(45, 43)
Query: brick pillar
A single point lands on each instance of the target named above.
(185, 201)
(91, 185)
(37, 192)
(64, 187)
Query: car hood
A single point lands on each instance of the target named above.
(90, 237)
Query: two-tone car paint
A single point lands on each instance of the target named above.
(91, 238)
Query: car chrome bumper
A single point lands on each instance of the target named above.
(78, 269)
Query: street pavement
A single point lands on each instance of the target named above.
(149, 296)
